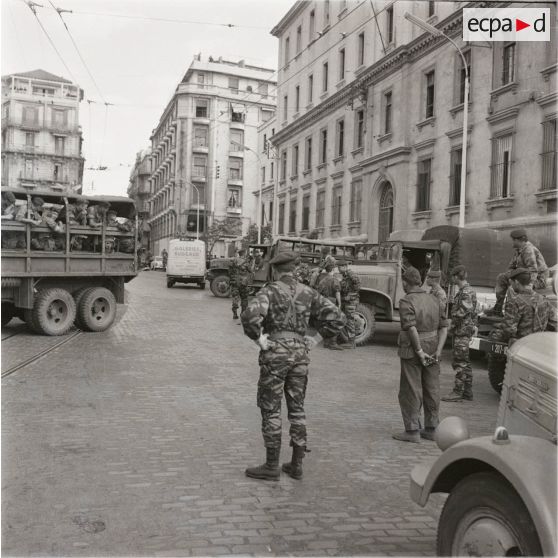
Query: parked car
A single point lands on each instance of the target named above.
(502, 488)
(157, 264)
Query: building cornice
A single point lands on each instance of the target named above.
(295, 10)
(402, 151)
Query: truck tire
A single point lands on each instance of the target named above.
(220, 286)
(78, 295)
(8, 312)
(54, 312)
(170, 283)
(496, 372)
(365, 323)
(97, 309)
(485, 503)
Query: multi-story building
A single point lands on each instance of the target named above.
(268, 173)
(41, 135)
(139, 191)
(205, 159)
(370, 118)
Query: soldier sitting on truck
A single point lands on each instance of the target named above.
(9, 208)
(35, 211)
(96, 214)
(75, 214)
(527, 312)
(526, 256)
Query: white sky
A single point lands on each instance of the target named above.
(136, 63)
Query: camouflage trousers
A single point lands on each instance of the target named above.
(461, 363)
(239, 294)
(503, 283)
(349, 308)
(283, 368)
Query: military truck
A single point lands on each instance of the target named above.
(501, 488)
(52, 280)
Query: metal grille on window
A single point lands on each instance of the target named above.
(501, 167)
(549, 155)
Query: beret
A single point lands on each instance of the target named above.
(412, 276)
(519, 271)
(283, 258)
(342, 261)
(518, 233)
(436, 274)
(458, 269)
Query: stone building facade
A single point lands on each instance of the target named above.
(139, 191)
(41, 135)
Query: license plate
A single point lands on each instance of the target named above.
(492, 347)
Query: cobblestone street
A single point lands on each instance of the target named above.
(134, 442)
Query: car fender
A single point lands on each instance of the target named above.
(364, 292)
(526, 462)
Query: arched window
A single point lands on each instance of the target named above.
(385, 221)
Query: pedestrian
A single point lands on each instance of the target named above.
(277, 320)
(238, 272)
(527, 312)
(350, 289)
(330, 288)
(421, 340)
(526, 256)
(433, 281)
(463, 326)
(165, 256)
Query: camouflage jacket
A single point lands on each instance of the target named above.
(528, 257)
(238, 269)
(329, 286)
(350, 285)
(302, 273)
(440, 294)
(269, 310)
(527, 312)
(464, 311)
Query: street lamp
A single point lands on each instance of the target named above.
(438, 33)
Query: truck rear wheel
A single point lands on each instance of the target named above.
(54, 312)
(8, 312)
(496, 372)
(170, 283)
(365, 323)
(97, 309)
(484, 516)
(220, 286)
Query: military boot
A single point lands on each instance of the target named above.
(468, 393)
(454, 396)
(331, 343)
(270, 469)
(235, 314)
(294, 468)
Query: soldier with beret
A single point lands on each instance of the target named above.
(350, 289)
(526, 256)
(433, 281)
(277, 320)
(527, 312)
(463, 325)
(421, 340)
(96, 214)
(239, 274)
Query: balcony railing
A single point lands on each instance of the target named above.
(36, 124)
(39, 150)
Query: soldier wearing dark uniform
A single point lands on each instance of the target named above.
(526, 256)
(433, 281)
(277, 320)
(421, 340)
(527, 312)
(463, 325)
(350, 288)
(239, 274)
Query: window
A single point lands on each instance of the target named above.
(429, 79)
(264, 143)
(387, 112)
(320, 209)
(266, 115)
(306, 213)
(237, 113)
(323, 146)
(292, 216)
(342, 64)
(299, 39)
(312, 26)
(200, 167)
(201, 80)
(263, 89)
(287, 48)
(360, 55)
(59, 142)
(281, 224)
(356, 193)
(423, 185)
(295, 161)
(508, 63)
(340, 138)
(549, 155)
(30, 116)
(389, 24)
(234, 198)
(235, 169)
(308, 159)
(455, 176)
(202, 106)
(325, 76)
(285, 107)
(336, 205)
(283, 171)
(234, 84)
(57, 171)
(236, 140)
(463, 75)
(271, 170)
(326, 13)
(29, 139)
(270, 212)
(59, 118)
(500, 184)
(28, 168)
(310, 88)
(263, 175)
(201, 136)
(359, 127)
(297, 98)
(431, 8)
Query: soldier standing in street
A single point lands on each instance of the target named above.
(526, 256)
(330, 288)
(433, 281)
(238, 271)
(421, 340)
(463, 325)
(277, 320)
(350, 288)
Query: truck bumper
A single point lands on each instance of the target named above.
(488, 346)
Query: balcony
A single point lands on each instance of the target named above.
(40, 150)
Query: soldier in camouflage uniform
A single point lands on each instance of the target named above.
(433, 281)
(35, 211)
(9, 208)
(526, 256)
(527, 312)
(463, 325)
(239, 274)
(350, 288)
(277, 320)
(330, 287)
(75, 214)
(302, 273)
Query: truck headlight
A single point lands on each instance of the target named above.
(450, 431)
